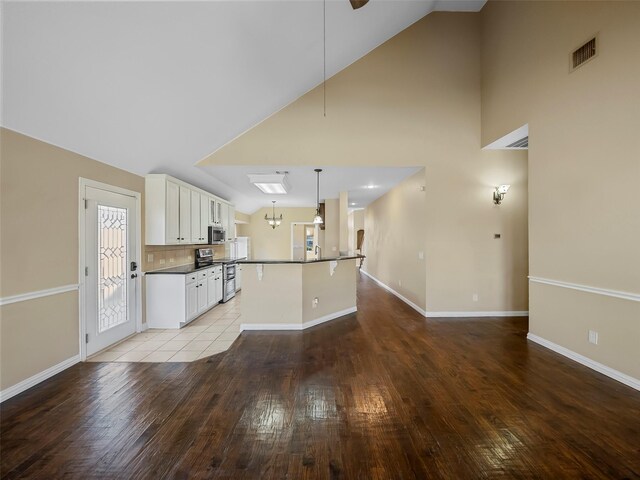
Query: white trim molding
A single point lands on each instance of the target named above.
(392, 291)
(634, 297)
(297, 326)
(424, 313)
(496, 313)
(587, 362)
(20, 387)
(23, 297)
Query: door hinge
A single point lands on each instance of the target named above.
(86, 338)
(86, 203)
(86, 271)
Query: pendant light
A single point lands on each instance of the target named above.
(318, 219)
(273, 221)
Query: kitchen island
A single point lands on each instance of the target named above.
(297, 294)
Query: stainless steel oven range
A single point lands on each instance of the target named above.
(228, 281)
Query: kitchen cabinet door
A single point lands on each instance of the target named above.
(185, 215)
(212, 297)
(219, 287)
(224, 217)
(192, 300)
(173, 214)
(232, 223)
(196, 235)
(202, 295)
(204, 217)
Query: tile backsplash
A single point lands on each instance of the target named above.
(166, 256)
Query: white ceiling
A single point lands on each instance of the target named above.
(157, 86)
(333, 180)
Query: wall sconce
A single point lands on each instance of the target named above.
(499, 193)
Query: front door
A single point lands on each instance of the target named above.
(110, 268)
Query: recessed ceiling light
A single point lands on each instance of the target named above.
(371, 186)
(271, 184)
(352, 204)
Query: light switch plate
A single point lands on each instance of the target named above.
(150, 257)
(593, 337)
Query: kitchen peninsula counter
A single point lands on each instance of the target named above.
(279, 294)
(302, 262)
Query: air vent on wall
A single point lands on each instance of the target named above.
(522, 143)
(583, 54)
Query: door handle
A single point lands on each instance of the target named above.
(134, 275)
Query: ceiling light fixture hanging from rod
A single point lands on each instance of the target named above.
(273, 221)
(318, 218)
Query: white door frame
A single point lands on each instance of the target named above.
(83, 183)
(315, 236)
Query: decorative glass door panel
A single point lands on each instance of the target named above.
(112, 267)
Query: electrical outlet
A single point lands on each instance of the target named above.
(475, 297)
(150, 257)
(172, 260)
(189, 257)
(162, 261)
(314, 302)
(420, 255)
(399, 283)
(593, 337)
(333, 249)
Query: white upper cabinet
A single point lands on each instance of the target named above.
(204, 218)
(224, 218)
(231, 231)
(172, 215)
(179, 213)
(185, 215)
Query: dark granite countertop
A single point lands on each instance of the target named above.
(289, 261)
(187, 269)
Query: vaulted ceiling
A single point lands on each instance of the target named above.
(157, 86)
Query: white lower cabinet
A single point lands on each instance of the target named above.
(173, 300)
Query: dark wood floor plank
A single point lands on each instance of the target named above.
(380, 394)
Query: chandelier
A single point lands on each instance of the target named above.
(273, 220)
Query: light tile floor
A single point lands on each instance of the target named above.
(212, 333)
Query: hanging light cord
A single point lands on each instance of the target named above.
(324, 57)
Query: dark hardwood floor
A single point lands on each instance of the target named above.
(381, 394)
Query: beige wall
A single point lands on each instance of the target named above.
(463, 257)
(269, 243)
(286, 292)
(421, 107)
(39, 249)
(584, 167)
(395, 232)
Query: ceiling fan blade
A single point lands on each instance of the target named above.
(356, 4)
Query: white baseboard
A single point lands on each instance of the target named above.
(392, 291)
(424, 313)
(297, 326)
(587, 362)
(14, 390)
(498, 313)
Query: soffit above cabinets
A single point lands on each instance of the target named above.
(364, 184)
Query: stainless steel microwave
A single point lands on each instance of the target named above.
(216, 235)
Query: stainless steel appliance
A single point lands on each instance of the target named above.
(204, 257)
(228, 281)
(216, 235)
